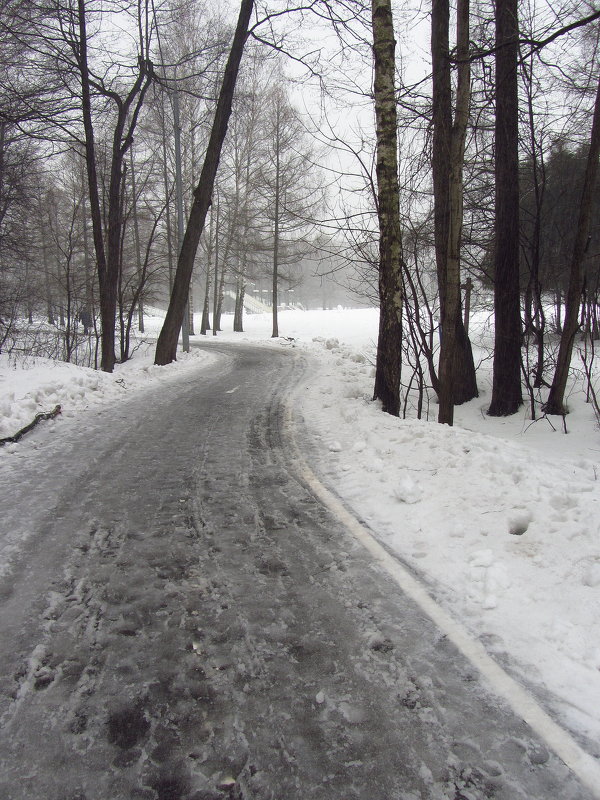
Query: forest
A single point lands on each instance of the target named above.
(198, 157)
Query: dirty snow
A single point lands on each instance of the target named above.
(499, 516)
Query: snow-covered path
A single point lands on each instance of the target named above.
(181, 619)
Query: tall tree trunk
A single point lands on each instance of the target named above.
(451, 317)
(464, 383)
(107, 322)
(243, 266)
(185, 322)
(216, 278)
(166, 348)
(507, 395)
(136, 238)
(55, 228)
(121, 282)
(87, 312)
(391, 263)
(219, 299)
(205, 325)
(191, 310)
(46, 266)
(108, 257)
(535, 320)
(275, 274)
(558, 307)
(555, 403)
(167, 190)
(238, 315)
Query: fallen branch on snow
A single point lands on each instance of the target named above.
(38, 418)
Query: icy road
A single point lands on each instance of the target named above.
(182, 619)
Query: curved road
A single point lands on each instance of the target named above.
(182, 619)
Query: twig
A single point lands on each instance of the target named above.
(38, 418)
(548, 420)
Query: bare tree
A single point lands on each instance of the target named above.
(507, 395)
(166, 348)
(391, 262)
(456, 368)
(555, 402)
(128, 107)
(289, 185)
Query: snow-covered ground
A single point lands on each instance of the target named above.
(498, 516)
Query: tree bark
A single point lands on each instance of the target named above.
(215, 326)
(461, 367)
(391, 263)
(507, 395)
(535, 320)
(240, 294)
(555, 403)
(167, 189)
(451, 317)
(108, 352)
(220, 296)
(107, 244)
(166, 348)
(136, 239)
(205, 326)
(275, 273)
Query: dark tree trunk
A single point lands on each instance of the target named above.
(455, 341)
(166, 348)
(136, 239)
(275, 273)
(108, 257)
(459, 383)
(108, 324)
(555, 403)
(88, 308)
(535, 320)
(391, 263)
(216, 276)
(507, 395)
(167, 190)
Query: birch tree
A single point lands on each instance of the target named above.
(391, 263)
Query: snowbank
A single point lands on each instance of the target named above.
(503, 525)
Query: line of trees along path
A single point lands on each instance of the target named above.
(457, 180)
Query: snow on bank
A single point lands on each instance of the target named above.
(500, 517)
(503, 525)
(37, 385)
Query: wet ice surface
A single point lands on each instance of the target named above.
(184, 621)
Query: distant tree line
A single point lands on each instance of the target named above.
(89, 165)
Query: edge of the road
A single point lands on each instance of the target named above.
(523, 704)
